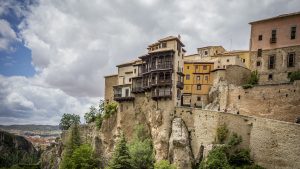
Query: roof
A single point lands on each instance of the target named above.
(199, 62)
(211, 47)
(168, 38)
(128, 63)
(276, 17)
(107, 76)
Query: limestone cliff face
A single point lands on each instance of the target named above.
(51, 157)
(16, 149)
(179, 145)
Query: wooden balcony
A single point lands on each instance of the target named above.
(158, 94)
(179, 85)
(167, 82)
(120, 98)
(137, 90)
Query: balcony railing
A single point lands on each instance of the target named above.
(179, 85)
(120, 98)
(162, 93)
(137, 89)
(161, 82)
(273, 40)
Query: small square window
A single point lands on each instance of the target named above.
(260, 37)
(258, 63)
(206, 52)
(164, 44)
(187, 77)
(204, 67)
(196, 67)
(270, 77)
(227, 60)
(206, 77)
(188, 67)
(198, 98)
(198, 87)
(198, 77)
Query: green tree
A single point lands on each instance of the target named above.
(91, 115)
(110, 109)
(141, 149)
(82, 158)
(164, 164)
(121, 158)
(294, 76)
(73, 143)
(216, 159)
(68, 120)
(222, 133)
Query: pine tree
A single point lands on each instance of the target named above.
(121, 158)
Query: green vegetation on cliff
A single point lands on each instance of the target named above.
(228, 155)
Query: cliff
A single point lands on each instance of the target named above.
(16, 150)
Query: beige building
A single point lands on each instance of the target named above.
(275, 47)
(110, 81)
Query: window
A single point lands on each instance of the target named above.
(260, 37)
(227, 60)
(293, 32)
(198, 78)
(126, 92)
(291, 60)
(272, 62)
(196, 67)
(273, 36)
(270, 77)
(187, 77)
(164, 44)
(134, 70)
(204, 67)
(206, 78)
(258, 63)
(198, 87)
(198, 98)
(259, 52)
(244, 60)
(129, 79)
(206, 52)
(188, 67)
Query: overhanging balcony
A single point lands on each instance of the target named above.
(120, 98)
(161, 93)
(179, 85)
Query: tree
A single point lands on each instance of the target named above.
(141, 150)
(121, 158)
(294, 76)
(91, 115)
(164, 164)
(82, 158)
(73, 143)
(68, 120)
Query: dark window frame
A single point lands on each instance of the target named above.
(258, 63)
(198, 87)
(272, 62)
(187, 77)
(260, 37)
(293, 32)
(259, 52)
(291, 63)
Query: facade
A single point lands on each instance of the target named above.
(122, 91)
(197, 82)
(242, 54)
(110, 81)
(224, 60)
(275, 47)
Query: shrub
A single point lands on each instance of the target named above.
(82, 158)
(164, 164)
(91, 115)
(240, 157)
(294, 76)
(253, 78)
(234, 140)
(222, 133)
(216, 159)
(110, 109)
(247, 86)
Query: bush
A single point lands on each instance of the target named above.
(82, 158)
(216, 159)
(240, 157)
(110, 109)
(164, 164)
(253, 78)
(247, 86)
(294, 76)
(222, 133)
(234, 140)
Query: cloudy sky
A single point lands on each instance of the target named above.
(54, 53)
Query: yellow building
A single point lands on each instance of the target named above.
(197, 82)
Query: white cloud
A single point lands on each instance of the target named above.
(75, 43)
(7, 36)
(30, 101)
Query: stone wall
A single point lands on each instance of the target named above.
(280, 102)
(273, 144)
(237, 75)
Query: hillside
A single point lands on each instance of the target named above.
(16, 150)
(29, 127)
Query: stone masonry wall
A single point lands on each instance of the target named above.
(237, 75)
(273, 144)
(280, 102)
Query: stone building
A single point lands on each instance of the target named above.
(275, 47)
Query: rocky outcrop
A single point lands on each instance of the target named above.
(51, 157)
(179, 145)
(16, 149)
